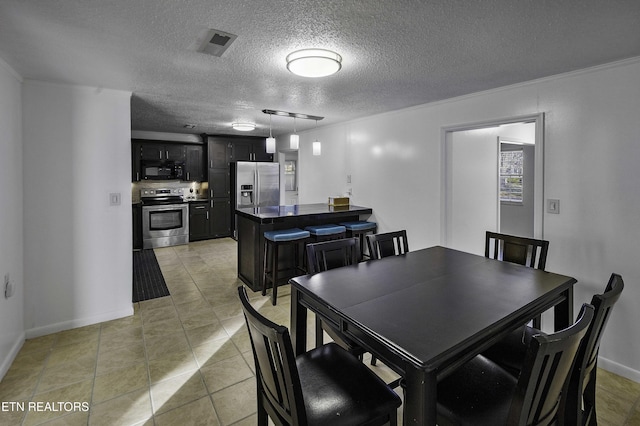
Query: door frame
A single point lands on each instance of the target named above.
(538, 209)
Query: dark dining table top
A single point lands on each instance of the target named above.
(431, 305)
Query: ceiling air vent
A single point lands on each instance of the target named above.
(213, 42)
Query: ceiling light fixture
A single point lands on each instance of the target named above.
(317, 146)
(314, 62)
(271, 141)
(243, 127)
(294, 140)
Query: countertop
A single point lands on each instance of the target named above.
(261, 214)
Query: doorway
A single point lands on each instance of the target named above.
(479, 194)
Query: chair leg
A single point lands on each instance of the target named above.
(319, 333)
(373, 360)
(274, 275)
(537, 322)
(263, 417)
(264, 269)
(393, 418)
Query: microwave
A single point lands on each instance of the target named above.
(165, 170)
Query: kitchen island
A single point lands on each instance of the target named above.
(251, 224)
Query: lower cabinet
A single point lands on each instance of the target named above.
(209, 219)
(137, 226)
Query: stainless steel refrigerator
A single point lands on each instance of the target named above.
(254, 184)
(257, 184)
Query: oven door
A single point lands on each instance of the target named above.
(165, 225)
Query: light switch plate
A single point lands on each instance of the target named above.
(553, 206)
(114, 199)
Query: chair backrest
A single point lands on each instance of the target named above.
(276, 371)
(387, 244)
(544, 376)
(585, 370)
(509, 248)
(332, 254)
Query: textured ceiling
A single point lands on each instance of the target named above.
(395, 53)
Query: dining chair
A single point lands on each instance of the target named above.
(325, 386)
(387, 244)
(580, 404)
(481, 393)
(521, 250)
(327, 255)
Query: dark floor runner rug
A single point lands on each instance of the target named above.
(148, 282)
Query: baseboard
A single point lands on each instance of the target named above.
(6, 363)
(75, 323)
(619, 369)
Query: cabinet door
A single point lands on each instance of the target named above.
(219, 154)
(220, 219)
(260, 151)
(135, 162)
(219, 183)
(174, 152)
(242, 151)
(151, 151)
(137, 226)
(198, 221)
(194, 163)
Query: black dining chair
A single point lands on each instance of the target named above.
(327, 255)
(325, 386)
(521, 250)
(387, 244)
(481, 393)
(580, 403)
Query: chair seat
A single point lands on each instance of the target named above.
(359, 225)
(292, 234)
(330, 377)
(322, 230)
(478, 393)
(511, 350)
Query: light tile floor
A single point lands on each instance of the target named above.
(183, 359)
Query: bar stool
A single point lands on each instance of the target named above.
(274, 240)
(359, 229)
(326, 232)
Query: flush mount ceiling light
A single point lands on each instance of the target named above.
(314, 62)
(243, 127)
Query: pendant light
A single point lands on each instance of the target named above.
(271, 141)
(317, 146)
(294, 141)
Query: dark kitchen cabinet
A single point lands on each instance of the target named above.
(135, 162)
(219, 153)
(220, 222)
(199, 221)
(194, 164)
(137, 226)
(253, 149)
(162, 152)
(219, 186)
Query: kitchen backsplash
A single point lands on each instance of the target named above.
(191, 189)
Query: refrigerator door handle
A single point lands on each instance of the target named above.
(256, 187)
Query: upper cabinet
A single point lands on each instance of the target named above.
(189, 157)
(253, 149)
(162, 152)
(194, 164)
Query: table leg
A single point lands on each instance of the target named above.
(563, 312)
(420, 397)
(298, 323)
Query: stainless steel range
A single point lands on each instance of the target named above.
(165, 217)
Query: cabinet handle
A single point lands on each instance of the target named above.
(201, 207)
(188, 176)
(207, 215)
(167, 154)
(211, 203)
(137, 176)
(211, 193)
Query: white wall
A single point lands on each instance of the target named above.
(11, 237)
(591, 152)
(77, 248)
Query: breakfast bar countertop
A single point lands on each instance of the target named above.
(269, 214)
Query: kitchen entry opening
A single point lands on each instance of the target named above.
(492, 181)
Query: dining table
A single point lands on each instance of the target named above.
(426, 312)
